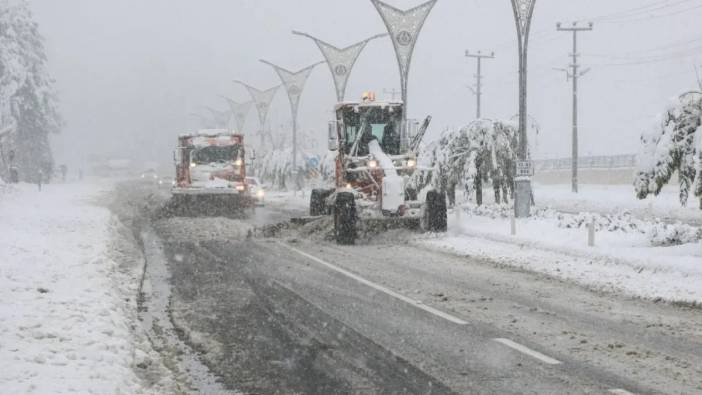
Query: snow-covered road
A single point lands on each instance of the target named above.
(69, 279)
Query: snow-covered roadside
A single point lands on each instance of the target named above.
(620, 261)
(608, 199)
(299, 200)
(68, 287)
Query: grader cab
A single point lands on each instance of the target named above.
(376, 157)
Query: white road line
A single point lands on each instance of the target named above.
(619, 391)
(528, 351)
(380, 288)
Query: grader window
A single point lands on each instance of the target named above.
(372, 123)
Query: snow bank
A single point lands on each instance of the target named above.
(621, 261)
(67, 309)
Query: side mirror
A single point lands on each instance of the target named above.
(332, 137)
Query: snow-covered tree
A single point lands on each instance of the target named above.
(484, 151)
(276, 167)
(27, 97)
(673, 147)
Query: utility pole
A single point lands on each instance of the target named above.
(575, 73)
(392, 92)
(479, 76)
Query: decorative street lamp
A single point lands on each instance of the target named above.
(294, 83)
(262, 100)
(205, 122)
(240, 111)
(340, 61)
(523, 198)
(220, 119)
(404, 27)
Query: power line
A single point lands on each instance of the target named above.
(654, 6)
(651, 17)
(658, 48)
(656, 59)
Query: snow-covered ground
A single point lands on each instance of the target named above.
(68, 315)
(299, 200)
(621, 261)
(617, 198)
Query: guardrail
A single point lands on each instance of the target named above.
(587, 162)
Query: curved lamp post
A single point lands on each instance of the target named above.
(262, 100)
(404, 27)
(240, 111)
(523, 12)
(294, 83)
(340, 60)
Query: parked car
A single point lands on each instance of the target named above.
(166, 182)
(256, 189)
(149, 176)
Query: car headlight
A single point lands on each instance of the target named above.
(238, 162)
(240, 188)
(373, 164)
(193, 164)
(411, 163)
(160, 182)
(260, 193)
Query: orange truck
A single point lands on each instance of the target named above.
(211, 173)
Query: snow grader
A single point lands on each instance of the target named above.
(210, 174)
(376, 157)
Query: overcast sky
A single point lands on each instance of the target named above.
(129, 72)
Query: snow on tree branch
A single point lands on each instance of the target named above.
(484, 151)
(673, 147)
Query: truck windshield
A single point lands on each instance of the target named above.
(375, 123)
(216, 154)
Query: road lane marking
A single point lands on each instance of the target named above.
(619, 391)
(380, 288)
(528, 351)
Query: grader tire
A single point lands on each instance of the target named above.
(345, 219)
(317, 202)
(435, 218)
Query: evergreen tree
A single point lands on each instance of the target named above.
(27, 98)
(671, 148)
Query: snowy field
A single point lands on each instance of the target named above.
(68, 319)
(617, 198)
(623, 259)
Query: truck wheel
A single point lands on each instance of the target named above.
(317, 202)
(345, 218)
(434, 217)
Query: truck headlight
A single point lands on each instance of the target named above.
(411, 163)
(373, 164)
